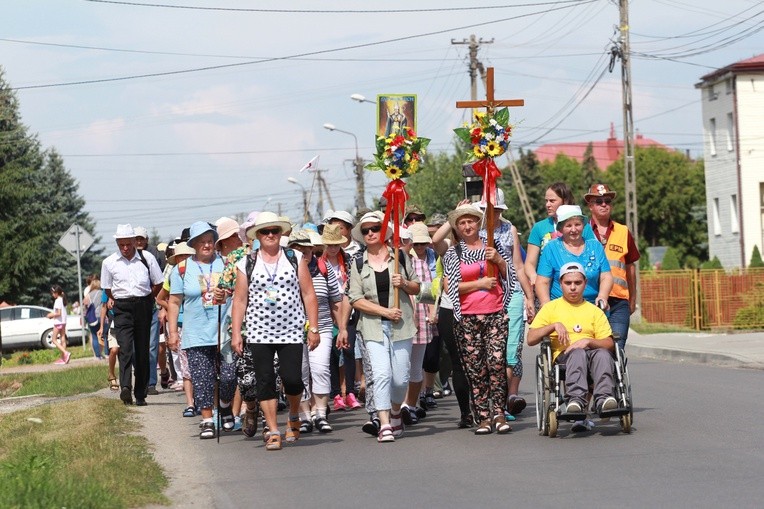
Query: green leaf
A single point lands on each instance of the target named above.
(502, 116)
(464, 134)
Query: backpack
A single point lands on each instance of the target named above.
(401, 261)
(252, 259)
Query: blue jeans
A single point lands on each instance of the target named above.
(390, 365)
(153, 348)
(619, 318)
(94, 339)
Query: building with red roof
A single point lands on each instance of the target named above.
(605, 152)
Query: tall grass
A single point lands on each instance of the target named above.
(59, 382)
(77, 454)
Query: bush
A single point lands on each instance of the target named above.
(712, 264)
(751, 316)
(670, 260)
(756, 260)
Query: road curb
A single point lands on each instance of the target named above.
(696, 357)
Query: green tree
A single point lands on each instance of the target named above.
(38, 202)
(590, 170)
(670, 260)
(756, 260)
(671, 200)
(712, 264)
(438, 186)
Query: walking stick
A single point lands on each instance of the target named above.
(217, 376)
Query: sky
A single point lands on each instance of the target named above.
(173, 111)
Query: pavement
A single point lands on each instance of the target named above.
(743, 350)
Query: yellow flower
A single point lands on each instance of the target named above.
(413, 167)
(393, 172)
(478, 153)
(493, 149)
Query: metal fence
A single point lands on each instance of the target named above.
(704, 299)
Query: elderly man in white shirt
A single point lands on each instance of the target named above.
(131, 278)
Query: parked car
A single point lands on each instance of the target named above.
(29, 326)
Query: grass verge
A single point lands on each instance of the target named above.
(28, 357)
(81, 453)
(657, 328)
(63, 382)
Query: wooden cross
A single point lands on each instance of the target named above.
(490, 104)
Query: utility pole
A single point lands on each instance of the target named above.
(475, 64)
(630, 177)
(322, 188)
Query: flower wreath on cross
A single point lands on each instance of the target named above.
(399, 155)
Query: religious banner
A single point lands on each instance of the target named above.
(395, 112)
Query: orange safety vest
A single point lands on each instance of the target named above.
(616, 248)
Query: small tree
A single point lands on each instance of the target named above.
(712, 264)
(756, 260)
(670, 260)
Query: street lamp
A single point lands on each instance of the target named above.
(361, 99)
(360, 200)
(305, 217)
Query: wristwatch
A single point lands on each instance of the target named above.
(313, 330)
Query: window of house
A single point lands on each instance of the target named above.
(728, 86)
(717, 221)
(712, 136)
(712, 95)
(734, 226)
(730, 132)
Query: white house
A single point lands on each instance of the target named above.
(733, 125)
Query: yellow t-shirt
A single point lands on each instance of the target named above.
(582, 321)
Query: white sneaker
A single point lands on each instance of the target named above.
(574, 407)
(609, 404)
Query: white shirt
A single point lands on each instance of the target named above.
(129, 278)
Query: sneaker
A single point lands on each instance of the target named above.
(59, 361)
(306, 427)
(429, 402)
(371, 427)
(237, 423)
(446, 389)
(226, 416)
(339, 403)
(385, 434)
(351, 402)
(581, 426)
(420, 412)
(609, 404)
(516, 405)
(322, 425)
(208, 431)
(67, 356)
(574, 407)
(152, 391)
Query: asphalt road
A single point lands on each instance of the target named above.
(695, 443)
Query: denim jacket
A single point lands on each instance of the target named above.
(364, 286)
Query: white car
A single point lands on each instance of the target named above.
(29, 326)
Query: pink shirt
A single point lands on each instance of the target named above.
(480, 302)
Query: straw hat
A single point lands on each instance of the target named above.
(332, 235)
(461, 211)
(180, 249)
(266, 220)
(300, 237)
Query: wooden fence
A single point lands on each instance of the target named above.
(704, 299)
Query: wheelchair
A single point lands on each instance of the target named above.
(550, 393)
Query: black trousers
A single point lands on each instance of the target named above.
(132, 326)
(290, 369)
(446, 331)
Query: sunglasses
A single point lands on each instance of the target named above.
(270, 231)
(421, 244)
(373, 229)
(602, 201)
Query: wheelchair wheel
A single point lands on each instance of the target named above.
(542, 397)
(626, 423)
(552, 423)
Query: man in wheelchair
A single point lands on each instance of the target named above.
(581, 340)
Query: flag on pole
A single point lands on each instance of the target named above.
(310, 165)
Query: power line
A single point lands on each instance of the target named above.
(305, 54)
(329, 11)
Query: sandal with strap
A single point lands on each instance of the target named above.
(189, 412)
(385, 434)
(322, 425)
(113, 384)
(484, 428)
(274, 442)
(249, 424)
(501, 425)
(208, 431)
(292, 431)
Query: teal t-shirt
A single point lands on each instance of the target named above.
(200, 317)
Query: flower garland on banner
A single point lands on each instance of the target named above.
(489, 136)
(399, 155)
